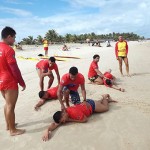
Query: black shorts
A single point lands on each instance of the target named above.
(92, 79)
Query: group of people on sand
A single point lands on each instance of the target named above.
(66, 91)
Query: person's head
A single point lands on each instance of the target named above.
(108, 82)
(96, 57)
(52, 61)
(73, 71)
(8, 34)
(44, 95)
(120, 38)
(60, 117)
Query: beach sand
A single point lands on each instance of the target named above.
(126, 126)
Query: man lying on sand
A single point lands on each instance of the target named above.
(51, 93)
(78, 113)
(109, 81)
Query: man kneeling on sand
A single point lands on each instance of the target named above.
(78, 113)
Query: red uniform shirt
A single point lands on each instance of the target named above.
(53, 92)
(72, 84)
(43, 64)
(7, 56)
(108, 76)
(79, 111)
(92, 72)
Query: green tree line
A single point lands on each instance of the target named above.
(54, 37)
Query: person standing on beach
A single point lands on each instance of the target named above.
(121, 51)
(94, 74)
(69, 85)
(44, 68)
(45, 45)
(10, 76)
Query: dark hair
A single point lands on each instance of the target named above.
(41, 94)
(8, 31)
(73, 70)
(108, 82)
(52, 59)
(96, 55)
(57, 116)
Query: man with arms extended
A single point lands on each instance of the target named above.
(44, 68)
(94, 74)
(78, 113)
(69, 85)
(10, 76)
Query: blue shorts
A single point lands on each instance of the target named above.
(92, 103)
(75, 98)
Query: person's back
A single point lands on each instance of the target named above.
(5, 73)
(79, 111)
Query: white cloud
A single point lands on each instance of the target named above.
(17, 12)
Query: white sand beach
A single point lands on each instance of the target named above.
(126, 126)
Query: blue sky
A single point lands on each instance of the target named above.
(36, 17)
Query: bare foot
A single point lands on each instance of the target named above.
(122, 75)
(7, 128)
(128, 75)
(17, 132)
(36, 108)
(122, 90)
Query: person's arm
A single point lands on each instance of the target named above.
(85, 119)
(58, 76)
(59, 94)
(39, 104)
(117, 88)
(126, 48)
(83, 91)
(116, 50)
(17, 74)
(99, 73)
(48, 131)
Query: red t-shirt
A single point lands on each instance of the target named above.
(43, 64)
(92, 72)
(79, 111)
(53, 92)
(108, 76)
(7, 56)
(72, 84)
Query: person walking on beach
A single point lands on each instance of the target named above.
(44, 68)
(51, 93)
(94, 74)
(78, 113)
(69, 85)
(10, 76)
(45, 45)
(121, 51)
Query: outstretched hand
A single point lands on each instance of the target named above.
(46, 136)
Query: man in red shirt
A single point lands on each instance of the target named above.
(109, 81)
(44, 68)
(69, 85)
(51, 93)
(121, 51)
(78, 113)
(94, 74)
(10, 76)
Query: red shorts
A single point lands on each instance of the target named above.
(46, 48)
(11, 85)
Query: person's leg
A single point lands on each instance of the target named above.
(99, 81)
(46, 52)
(41, 82)
(127, 65)
(11, 99)
(51, 79)
(120, 65)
